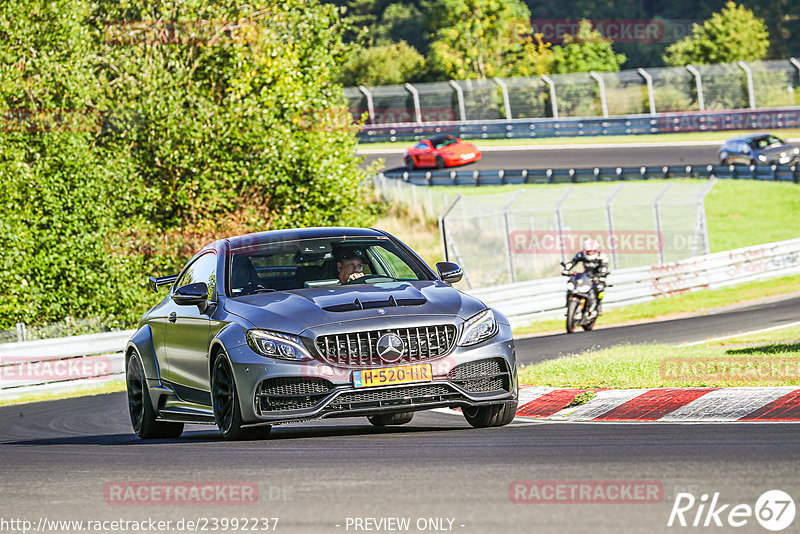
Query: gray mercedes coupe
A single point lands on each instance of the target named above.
(293, 325)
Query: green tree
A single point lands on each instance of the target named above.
(382, 65)
(483, 38)
(588, 50)
(732, 34)
(135, 133)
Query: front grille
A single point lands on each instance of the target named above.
(359, 349)
(291, 393)
(425, 394)
(482, 376)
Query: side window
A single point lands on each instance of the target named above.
(396, 267)
(203, 269)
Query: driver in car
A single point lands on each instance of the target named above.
(349, 264)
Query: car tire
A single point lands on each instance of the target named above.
(492, 415)
(409, 163)
(140, 408)
(439, 162)
(225, 403)
(391, 419)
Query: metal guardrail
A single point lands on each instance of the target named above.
(689, 121)
(526, 301)
(61, 364)
(779, 173)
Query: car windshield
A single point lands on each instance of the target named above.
(310, 263)
(440, 142)
(767, 141)
(421, 146)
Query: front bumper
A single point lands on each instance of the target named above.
(275, 391)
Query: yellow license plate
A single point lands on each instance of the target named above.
(369, 378)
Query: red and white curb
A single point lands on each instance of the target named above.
(662, 404)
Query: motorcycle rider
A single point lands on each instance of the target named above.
(595, 265)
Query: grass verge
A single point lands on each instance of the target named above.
(695, 302)
(689, 137)
(764, 359)
(111, 386)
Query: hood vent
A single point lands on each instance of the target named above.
(370, 304)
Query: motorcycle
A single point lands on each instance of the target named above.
(580, 311)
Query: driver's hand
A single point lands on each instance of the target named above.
(354, 276)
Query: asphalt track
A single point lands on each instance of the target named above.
(731, 321)
(57, 457)
(543, 157)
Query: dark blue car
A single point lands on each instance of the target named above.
(757, 149)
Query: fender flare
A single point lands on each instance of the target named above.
(142, 342)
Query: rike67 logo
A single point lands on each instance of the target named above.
(774, 510)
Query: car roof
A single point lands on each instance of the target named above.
(301, 233)
(441, 137)
(748, 137)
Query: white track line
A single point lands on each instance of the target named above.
(786, 325)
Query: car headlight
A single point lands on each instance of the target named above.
(585, 288)
(796, 151)
(570, 286)
(478, 328)
(276, 345)
(762, 157)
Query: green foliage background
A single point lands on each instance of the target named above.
(132, 136)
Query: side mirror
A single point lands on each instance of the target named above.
(449, 272)
(191, 294)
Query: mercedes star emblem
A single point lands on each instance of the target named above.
(390, 347)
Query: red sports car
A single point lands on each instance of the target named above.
(441, 151)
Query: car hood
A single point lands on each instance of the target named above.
(775, 152)
(298, 310)
(459, 148)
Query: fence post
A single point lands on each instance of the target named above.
(442, 228)
(701, 215)
(749, 75)
(657, 214)
(699, 84)
(651, 98)
(512, 273)
(796, 64)
(552, 86)
(506, 102)
(559, 221)
(22, 333)
(370, 104)
(415, 97)
(462, 110)
(601, 85)
(610, 223)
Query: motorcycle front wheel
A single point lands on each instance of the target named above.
(572, 307)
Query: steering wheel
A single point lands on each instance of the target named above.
(368, 277)
(251, 288)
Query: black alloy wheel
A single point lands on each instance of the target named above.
(143, 416)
